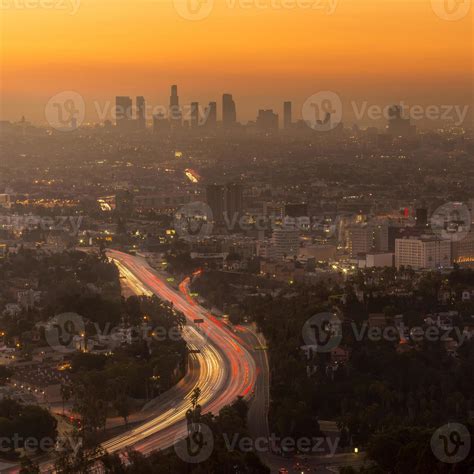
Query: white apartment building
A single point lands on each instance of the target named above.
(285, 242)
(422, 252)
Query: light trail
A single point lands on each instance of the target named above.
(227, 369)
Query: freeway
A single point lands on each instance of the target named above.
(229, 366)
(226, 369)
(224, 366)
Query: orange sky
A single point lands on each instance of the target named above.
(380, 51)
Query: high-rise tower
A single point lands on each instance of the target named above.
(229, 114)
(211, 115)
(123, 112)
(175, 111)
(195, 114)
(286, 114)
(141, 113)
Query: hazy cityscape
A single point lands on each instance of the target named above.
(244, 277)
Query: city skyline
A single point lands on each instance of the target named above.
(321, 111)
(307, 55)
(236, 236)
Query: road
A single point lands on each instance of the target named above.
(226, 365)
(226, 368)
(229, 366)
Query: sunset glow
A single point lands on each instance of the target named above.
(380, 51)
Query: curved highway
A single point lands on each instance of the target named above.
(227, 369)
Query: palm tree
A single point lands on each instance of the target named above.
(66, 393)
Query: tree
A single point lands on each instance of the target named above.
(27, 421)
(5, 374)
(66, 393)
(76, 458)
(29, 467)
(195, 397)
(136, 463)
(36, 422)
(90, 401)
(122, 405)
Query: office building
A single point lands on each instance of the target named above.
(211, 115)
(380, 234)
(360, 239)
(160, 123)
(421, 217)
(194, 114)
(234, 201)
(267, 120)
(123, 112)
(229, 114)
(226, 203)
(425, 252)
(296, 210)
(215, 198)
(286, 115)
(397, 125)
(174, 110)
(141, 113)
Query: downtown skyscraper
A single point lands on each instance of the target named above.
(211, 115)
(286, 114)
(229, 114)
(123, 112)
(141, 113)
(195, 119)
(174, 109)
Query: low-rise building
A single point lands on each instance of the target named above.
(379, 259)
